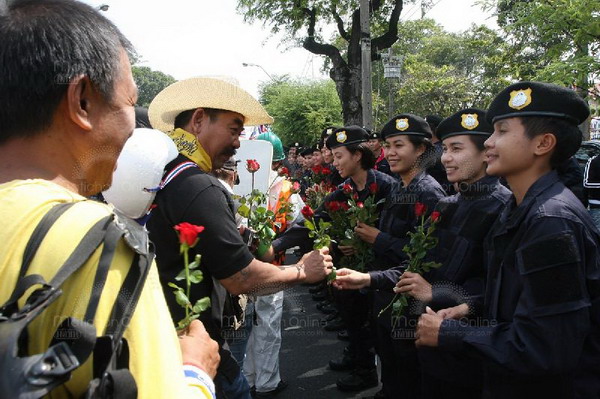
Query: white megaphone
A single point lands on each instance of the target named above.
(140, 169)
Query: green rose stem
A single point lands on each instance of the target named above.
(420, 242)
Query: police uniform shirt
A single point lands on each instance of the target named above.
(398, 217)
(465, 220)
(542, 299)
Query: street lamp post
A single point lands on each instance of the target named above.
(249, 64)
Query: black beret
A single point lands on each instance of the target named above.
(538, 99)
(469, 121)
(433, 120)
(346, 136)
(375, 136)
(306, 151)
(327, 132)
(406, 124)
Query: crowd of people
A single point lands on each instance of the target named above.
(461, 251)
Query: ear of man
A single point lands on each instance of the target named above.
(80, 102)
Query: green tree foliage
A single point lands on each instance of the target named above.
(554, 40)
(301, 110)
(303, 20)
(149, 83)
(444, 72)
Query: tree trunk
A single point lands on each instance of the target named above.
(347, 74)
(348, 86)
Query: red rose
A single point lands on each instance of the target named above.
(296, 187)
(333, 206)
(355, 196)
(326, 171)
(307, 212)
(188, 233)
(373, 188)
(435, 216)
(284, 171)
(252, 166)
(345, 206)
(347, 189)
(360, 205)
(317, 169)
(420, 209)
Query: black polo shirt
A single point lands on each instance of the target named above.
(197, 198)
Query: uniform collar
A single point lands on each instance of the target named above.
(513, 215)
(370, 179)
(417, 179)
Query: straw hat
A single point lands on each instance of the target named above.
(204, 93)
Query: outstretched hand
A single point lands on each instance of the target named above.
(348, 279)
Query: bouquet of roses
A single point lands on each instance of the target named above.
(188, 238)
(320, 174)
(421, 241)
(359, 212)
(340, 222)
(316, 194)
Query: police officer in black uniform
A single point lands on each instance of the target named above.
(408, 149)
(466, 218)
(542, 298)
(355, 306)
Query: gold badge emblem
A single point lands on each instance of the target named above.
(341, 136)
(469, 121)
(519, 99)
(329, 131)
(402, 124)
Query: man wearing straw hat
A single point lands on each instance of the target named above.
(204, 117)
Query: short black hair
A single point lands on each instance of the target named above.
(44, 45)
(367, 160)
(185, 116)
(568, 136)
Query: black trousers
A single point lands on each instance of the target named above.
(355, 311)
(395, 346)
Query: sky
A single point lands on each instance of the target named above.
(186, 38)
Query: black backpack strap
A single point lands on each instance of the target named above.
(40, 232)
(111, 356)
(113, 235)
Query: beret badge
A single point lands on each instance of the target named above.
(341, 137)
(519, 99)
(402, 124)
(469, 121)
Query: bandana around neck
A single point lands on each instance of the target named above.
(188, 145)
